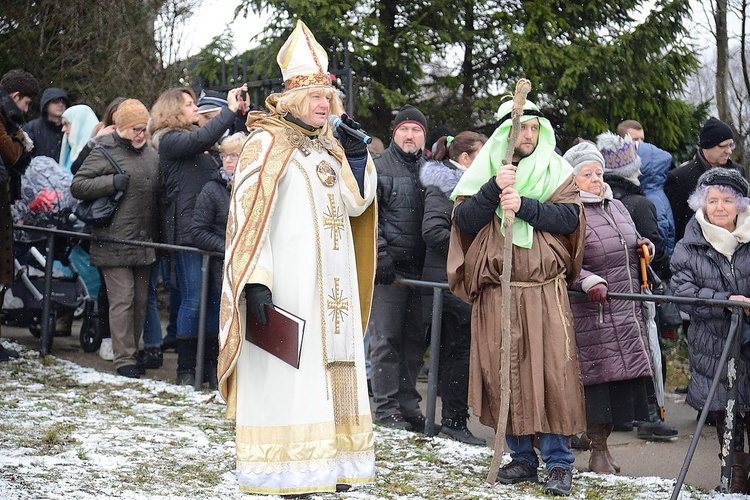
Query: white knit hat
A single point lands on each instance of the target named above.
(303, 62)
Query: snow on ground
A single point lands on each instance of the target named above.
(69, 432)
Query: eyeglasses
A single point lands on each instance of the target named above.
(729, 146)
(224, 156)
(139, 131)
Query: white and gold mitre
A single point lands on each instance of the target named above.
(303, 62)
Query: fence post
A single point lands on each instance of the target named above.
(734, 329)
(46, 334)
(202, 324)
(432, 376)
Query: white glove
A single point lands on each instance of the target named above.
(28, 143)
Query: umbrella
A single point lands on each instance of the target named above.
(649, 318)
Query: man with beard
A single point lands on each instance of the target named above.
(546, 391)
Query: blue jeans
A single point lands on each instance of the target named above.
(152, 331)
(554, 448)
(187, 268)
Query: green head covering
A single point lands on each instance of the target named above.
(538, 175)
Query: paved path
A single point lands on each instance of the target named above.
(635, 456)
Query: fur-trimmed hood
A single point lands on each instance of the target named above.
(440, 174)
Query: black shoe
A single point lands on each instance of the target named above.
(419, 423)
(6, 354)
(129, 371)
(623, 427)
(517, 472)
(559, 481)
(169, 344)
(185, 378)
(395, 421)
(457, 430)
(150, 358)
(656, 431)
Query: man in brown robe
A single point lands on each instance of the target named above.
(546, 391)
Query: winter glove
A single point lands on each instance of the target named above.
(354, 147)
(386, 272)
(121, 181)
(45, 201)
(639, 247)
(598, 293)
(258, 298)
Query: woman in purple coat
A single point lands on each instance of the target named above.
(611, 342)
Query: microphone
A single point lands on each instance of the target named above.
(336, 122)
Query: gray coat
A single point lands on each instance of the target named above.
(137, 215)
(699, 271)
(614, 348)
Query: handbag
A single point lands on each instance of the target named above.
(100, 211)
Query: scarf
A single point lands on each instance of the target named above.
(537, 177)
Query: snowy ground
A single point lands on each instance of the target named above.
(68, 432)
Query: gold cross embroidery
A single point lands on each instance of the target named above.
(338, 306)
(333, 220)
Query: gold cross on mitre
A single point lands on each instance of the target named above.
(333, 220)
(338, 306)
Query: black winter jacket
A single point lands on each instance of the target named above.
(681, 183)
(699, 271)
(400, 208)
(186, 166)
(439, 179)
(46, 135)
(210, 216)
(643, 213)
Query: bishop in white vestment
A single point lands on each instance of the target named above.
(303, 225)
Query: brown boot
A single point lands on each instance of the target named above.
(611, 460)
(740, 470)
(598, 462)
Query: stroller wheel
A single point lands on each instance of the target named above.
(91, 338)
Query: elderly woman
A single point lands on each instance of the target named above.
(712, 261)
(210, 227)
(612, 351)
(126, 268)
(301, 237)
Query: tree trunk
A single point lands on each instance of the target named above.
(722, 61)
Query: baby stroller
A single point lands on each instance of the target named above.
(47, 202)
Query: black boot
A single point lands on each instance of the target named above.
(6, 354)
(186, 354)
(655, 429)
(457, 429)
(210, 360)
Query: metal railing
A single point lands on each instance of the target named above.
(727, 362)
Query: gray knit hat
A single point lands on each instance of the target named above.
(582, 153)
(720, 176)
(620, 154)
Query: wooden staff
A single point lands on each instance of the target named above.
(519, 99)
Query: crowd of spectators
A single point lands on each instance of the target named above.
(174, 166)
